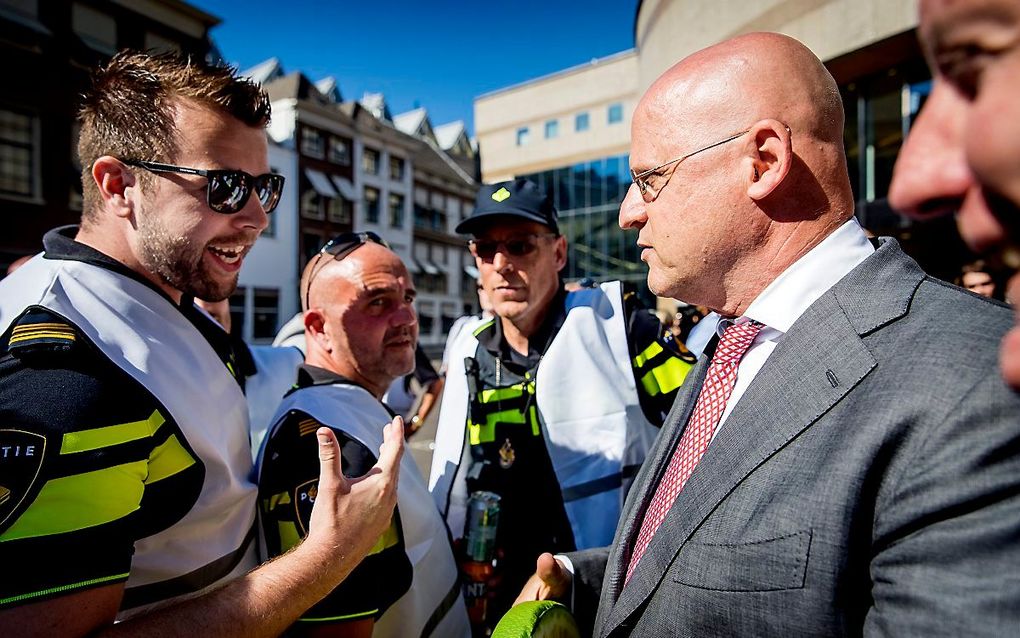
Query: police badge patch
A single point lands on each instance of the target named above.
(21, 456)
(304, 499)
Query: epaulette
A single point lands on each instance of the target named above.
(40, 330)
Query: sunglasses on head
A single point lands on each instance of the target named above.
(486, 249)
(226, 191)
(338, 248)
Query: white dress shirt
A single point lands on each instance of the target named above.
(785, 299)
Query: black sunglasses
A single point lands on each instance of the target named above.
(339, 247)
(226, 191)
(486, 249)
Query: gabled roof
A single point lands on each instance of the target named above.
(415, 123)
(375, 103)
(452, 138)
(265, 71)
(294, 85)
(330, 88)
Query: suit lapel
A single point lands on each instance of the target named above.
(816, 364)
(645, 482)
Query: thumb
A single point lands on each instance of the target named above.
(549, 569)
(330, 469)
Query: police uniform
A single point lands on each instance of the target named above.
(408, 582)
(111, 469)
(559, 432)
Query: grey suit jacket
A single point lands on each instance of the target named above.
(867, 483)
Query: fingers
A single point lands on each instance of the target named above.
(393, 446)
(331, 476)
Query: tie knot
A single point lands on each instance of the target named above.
(735, 341)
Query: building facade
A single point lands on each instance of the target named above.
(356, 167)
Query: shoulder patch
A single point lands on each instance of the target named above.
(40, 330)
(21, 456)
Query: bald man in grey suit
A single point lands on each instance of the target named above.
(860, 474)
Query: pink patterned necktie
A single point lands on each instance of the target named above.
(719, 380)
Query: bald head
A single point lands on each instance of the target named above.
(739, 151)
(360, 322)
(749, 78)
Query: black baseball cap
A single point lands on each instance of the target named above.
(521, 198)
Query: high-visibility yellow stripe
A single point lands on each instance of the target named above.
(282, 498)
(168, 459)
(666, 377)
(480, 433)
(387, 539)
(289, 536)
(534, 420)
(62, 588)
(646, 355)
(96, 438)
(501, 394)
(364, 614)
(69, 503)
(482, 328)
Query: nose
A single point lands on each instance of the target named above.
(501, 261)
(632, 209)
(253, 215)
(931, 176)
(406, 315)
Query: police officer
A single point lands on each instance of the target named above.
(360, 333)
(131, 497)
(553, 402)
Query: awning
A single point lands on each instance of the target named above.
(345, 188)
(429, 267)
(412, 266)
(320, 183)
(471, 271)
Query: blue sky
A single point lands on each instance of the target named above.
(439, 55)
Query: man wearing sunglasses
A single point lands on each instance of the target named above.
(553, 402)
(124, 453)
(361, 332)
(843, 461)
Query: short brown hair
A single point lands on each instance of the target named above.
(129, 111)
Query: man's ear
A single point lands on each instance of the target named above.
(561, 252)
(771, 160)
(114, 180)
(315, 330)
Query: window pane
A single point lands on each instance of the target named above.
(265, 312)
(615, 113)
(396, 210)
(371, 205)
(581, 122)
(370, 161)
(552, 129)
(522, 136)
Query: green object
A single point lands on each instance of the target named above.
(537, 619)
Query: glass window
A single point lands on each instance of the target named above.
(17, 153)
(161, 44)
(396, 210)
(522, 136)
(237, 301)
(312, 143)
(311, 205)
(339, 151)
(95, 28)
(615, 113)
(339, 210)
(371, 205)
(552, 129)
(265, 313)
(370, 161)
(581, 122)
(396, 168)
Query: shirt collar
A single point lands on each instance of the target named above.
(785, 299)
(493, 340)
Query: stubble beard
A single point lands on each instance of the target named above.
(174, 259)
